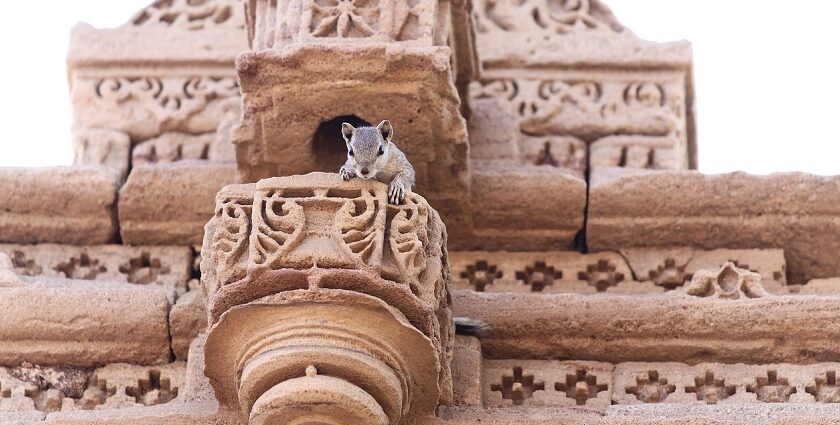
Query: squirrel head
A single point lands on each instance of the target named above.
(369, 147)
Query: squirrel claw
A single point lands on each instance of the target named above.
(396, 194)
(346, 174)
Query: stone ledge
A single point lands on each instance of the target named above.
(71, 205)
(794, 211)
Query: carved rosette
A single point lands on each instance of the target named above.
(321, 293)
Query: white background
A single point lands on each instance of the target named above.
(767, 77)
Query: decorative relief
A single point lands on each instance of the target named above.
(729, 282)
(190, 15)
(544, 16)
(589, 108)
(345, 18)
(277, 226)
(651, 388)
(167, 98)
(408, 237)
(356, 221)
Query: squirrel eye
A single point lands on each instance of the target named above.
(351, 152)
(381, 151)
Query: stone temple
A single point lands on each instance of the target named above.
(202, 263)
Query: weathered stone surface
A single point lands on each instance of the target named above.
(637, 152)
(169, 267)
(101, 147)
(80, 323)
(170, 69)
(8, 277)
(793, 211)
(72, 205)
(671, 268)
(546, 272)
(467, 372)
(710, 383)
(547, 383)
(668, 327)
(173, 147)
(555, 201)
(169, 204)
(187, 319)
(366, 282)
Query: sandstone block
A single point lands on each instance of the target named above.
(667, 327)
(467, 371)
(545, 272)
(522, 207)
(101, 147)
(187, 319)
(72, 205)
(83, 324)
(173, 147)
(169, 204)
(546, 383)
(792, 211)
(169, 267)
(637, 152)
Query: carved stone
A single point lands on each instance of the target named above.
(99, 147)
(318, 288)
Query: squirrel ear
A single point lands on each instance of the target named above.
(347, 131)
(386, 129)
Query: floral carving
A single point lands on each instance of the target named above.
(169, 97)
(357, 225)
(230, 241)
(345, 18)
(409, 237)
(550, 16)
(278, 227)
(189, 14)
(729, 282)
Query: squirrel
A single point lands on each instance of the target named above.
(371, 154)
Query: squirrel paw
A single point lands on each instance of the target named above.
(346, 174)
(396, 193)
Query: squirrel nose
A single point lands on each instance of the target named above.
(364, 171)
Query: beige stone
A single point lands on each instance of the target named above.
(467, 371)
(8, 277)
(169, 204)
(187, 319)
(667, 327)
(80, 323)
(169, 267)
(87, 198)
(547, 383)
(636, 152)
(544, 272)
(791, 211)
(671, 268)
(173, 147)
(169, 69)
(821, 287)
(555, 201)
(366, 282)
(101, 147)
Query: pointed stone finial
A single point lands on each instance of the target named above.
(311, 371)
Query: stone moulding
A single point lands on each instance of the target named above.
(313, 282)
(668, 327)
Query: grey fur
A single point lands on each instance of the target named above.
(391, 168)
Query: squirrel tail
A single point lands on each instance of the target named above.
(471, 327)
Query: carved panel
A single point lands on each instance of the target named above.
(550, 17)
(546, 383)
(191, 15)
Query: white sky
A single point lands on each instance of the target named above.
(767, 77)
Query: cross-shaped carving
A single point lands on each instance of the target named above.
(81, 267)
(581, 386)
(651, 388)
(669, 275)
(144, 269)
(25, 266)
(153, 390)
(481, 274)
(772, 389)
(518, 387)
(709, 389)
(539, 276)
(825, 389)
(601, 275)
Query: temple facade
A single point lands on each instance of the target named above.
(202, 262)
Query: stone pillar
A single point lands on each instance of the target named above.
(314, 64)
(326, 304)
